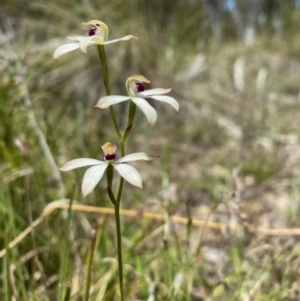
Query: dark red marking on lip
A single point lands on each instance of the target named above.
(110, 157)
(140, 86)
(92, 32)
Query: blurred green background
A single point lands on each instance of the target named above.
(230, 155)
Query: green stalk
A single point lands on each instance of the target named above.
(118, 225)
(131, 114)
(102, 57)
(109, 177)
(119, 243)
(122, 145)
(116, 202)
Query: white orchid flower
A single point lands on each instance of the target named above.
(97, 36)
(136, 90)
(95, 173)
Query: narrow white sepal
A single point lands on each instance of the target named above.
(149, 112)
(63, 49)
(92, 177)
(135, 157)
(77, 38)
(167, 99)
(76, 163)
(126, 38)
(107, 101)
(156, 91)
(129, 173)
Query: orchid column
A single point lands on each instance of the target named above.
(135, 86)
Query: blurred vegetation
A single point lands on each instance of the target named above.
(233, 150)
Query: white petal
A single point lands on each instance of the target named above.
(96, 39)
(135, 157)
(170, 100)
(92, 177)
(107, 101)
(77, 38)
(157, 91)
(65, 49)
(80, 163)
(146, 108)
(126, 38)
(84, 43)
(89, 41)
(129, 173)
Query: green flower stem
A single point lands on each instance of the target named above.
(112, 114)
(131, 114)
(120, 190)
(102, 56)
(109, 177)
(122, 145)
(119, 243)
(118, 225)
(116, 202)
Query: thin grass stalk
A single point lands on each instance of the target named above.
(189, 282)
(21, 274)
(67, 294)
(11, 228)
(13, 257)
(91, 253)
(80, 122)
(167, 255)
(41, 138)
(199, 245)
(65, 253)
(171, 296)
(7, 286)
(140, 270)
(188, 229)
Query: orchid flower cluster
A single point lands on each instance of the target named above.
(137, 94)
(135, 86)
